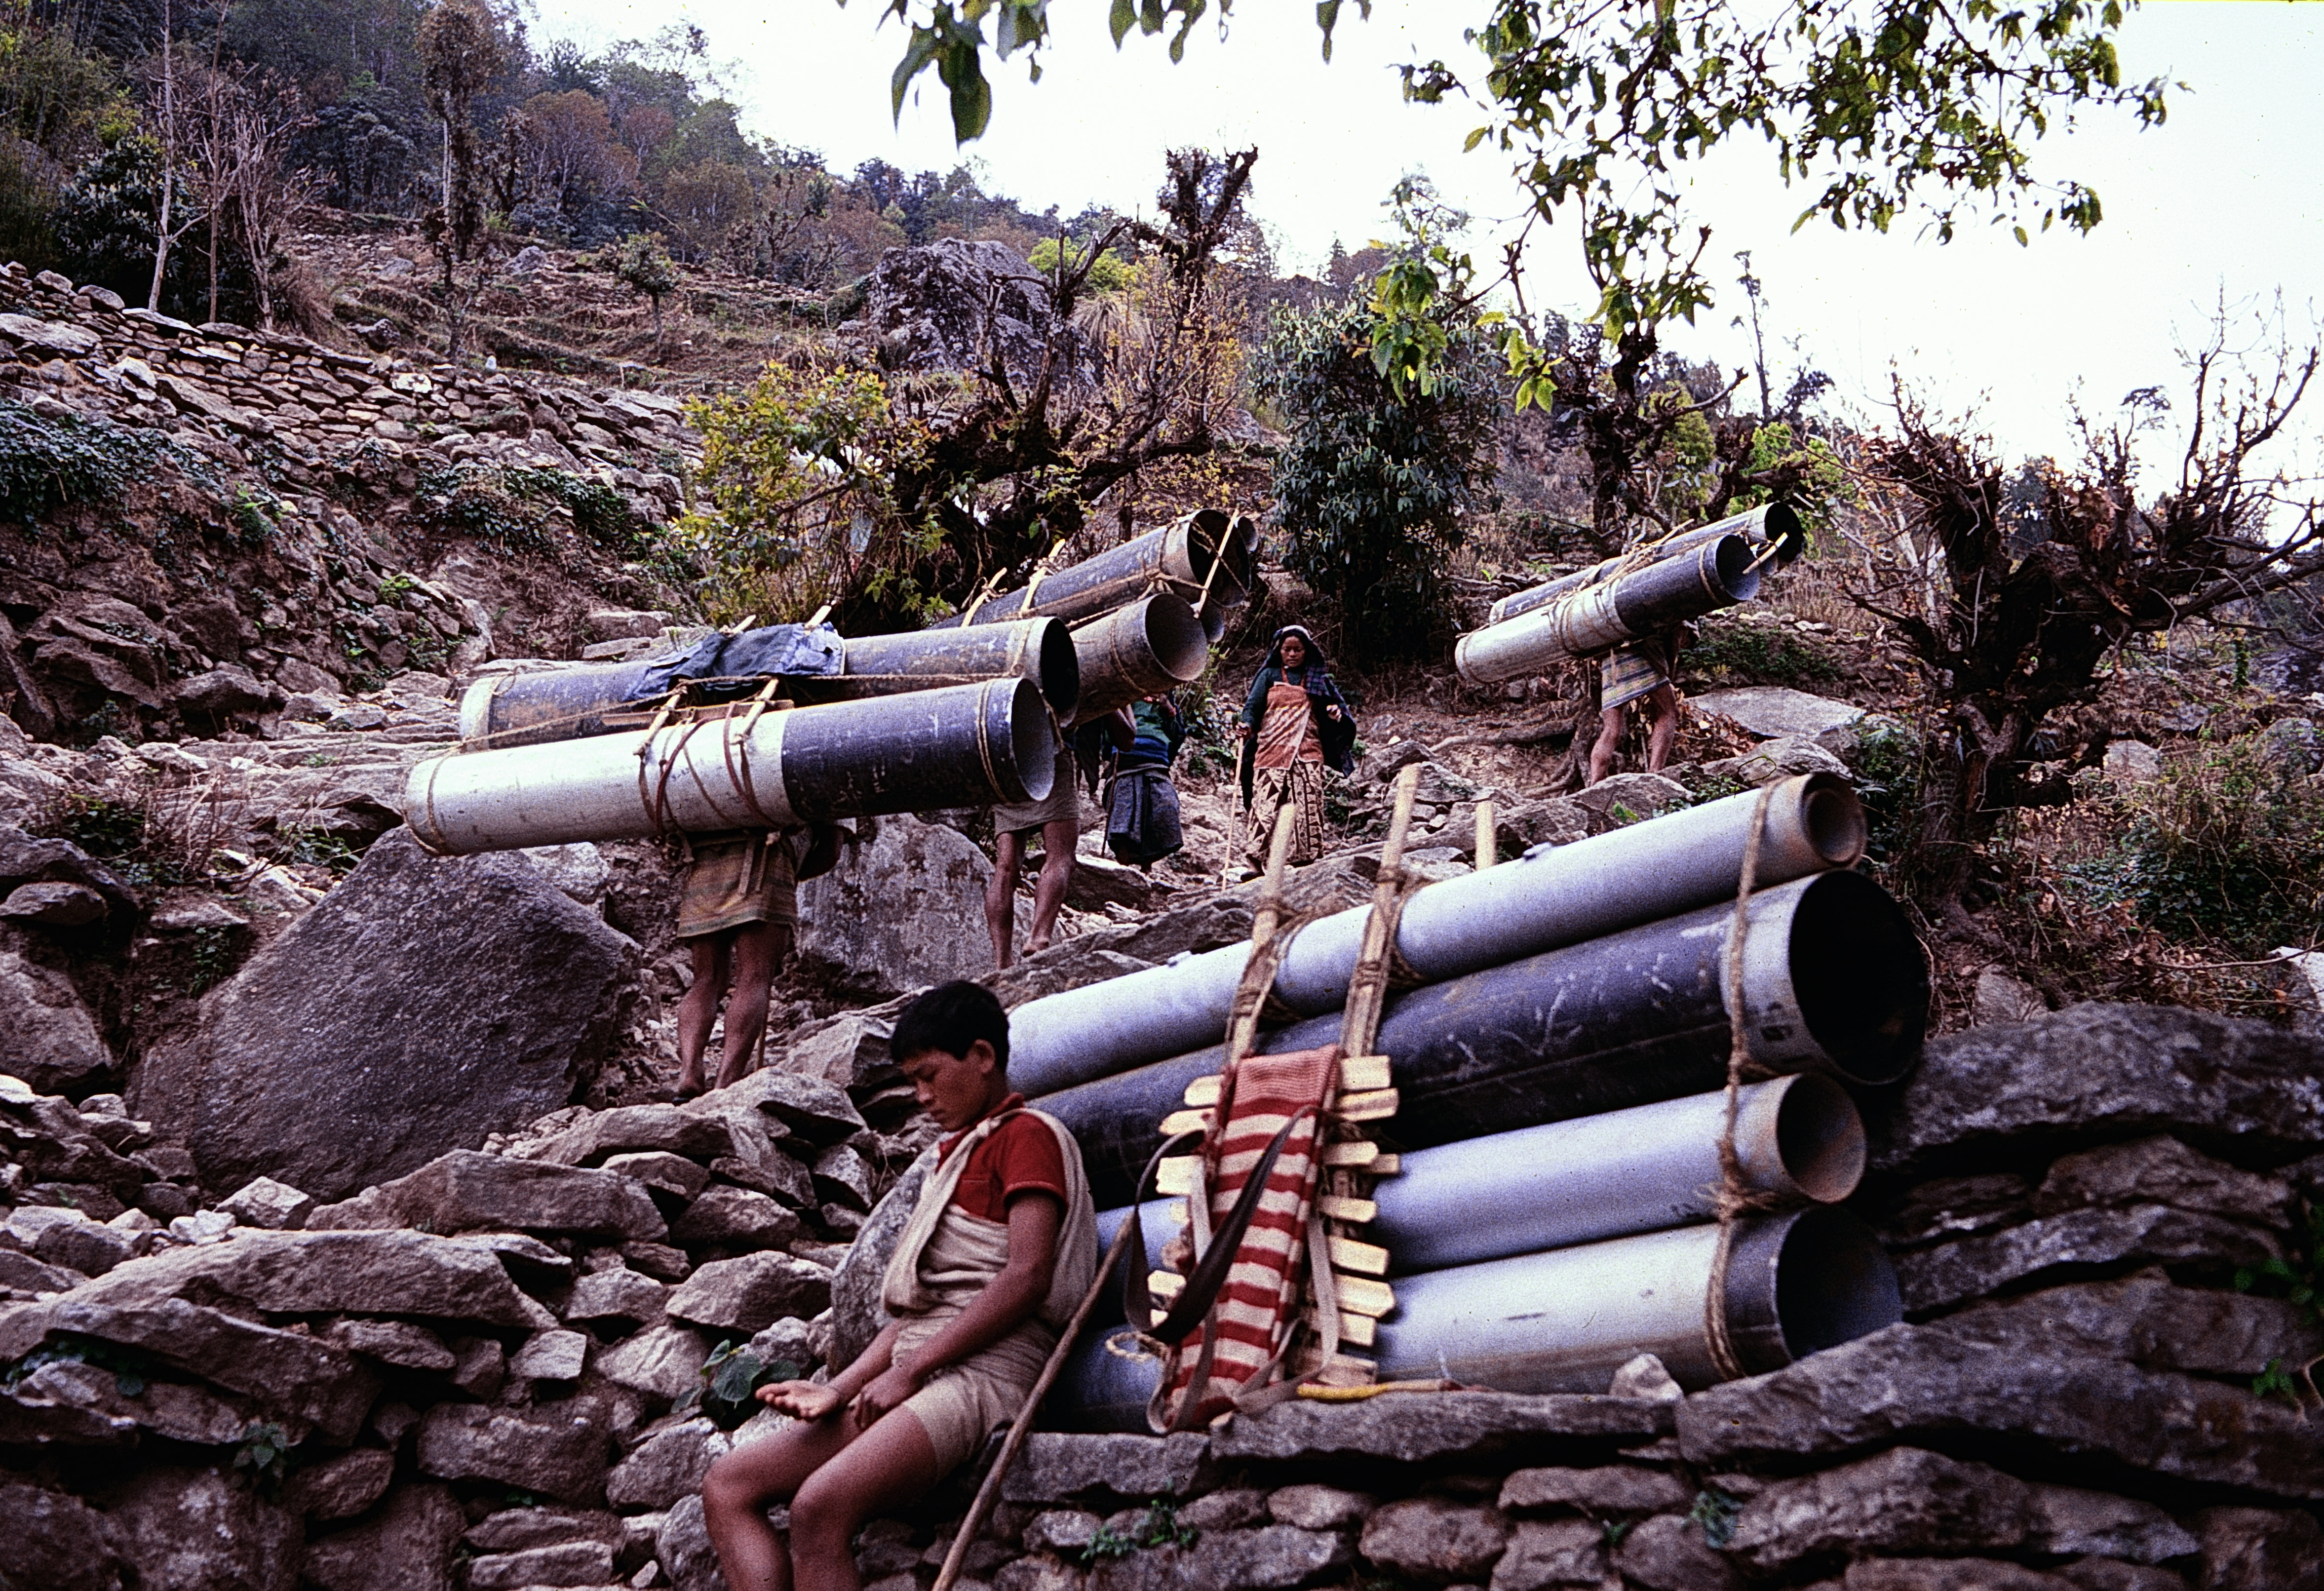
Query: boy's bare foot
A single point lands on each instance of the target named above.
(689, 1088)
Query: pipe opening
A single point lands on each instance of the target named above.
(1833, 1284)
(1784, 529)
(1060, 670)
(1732, 558)
(1032, 743)
(1820, 1138)
(1212, 537)
(1833, 819)
(1176, 639)
(1859, 976)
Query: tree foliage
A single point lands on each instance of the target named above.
(802, 475)
(2012, 630)
(1370, 485)
(459, 55)
(1885, 108)
(927, 488)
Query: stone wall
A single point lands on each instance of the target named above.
(479, 1370)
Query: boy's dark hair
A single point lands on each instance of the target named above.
(952, 1017)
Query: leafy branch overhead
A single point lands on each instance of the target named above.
(950, 37)
(1883, 110)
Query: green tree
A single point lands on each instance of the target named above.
(1108, 273)
(644, 264)
(459, 56)
(1370, 486)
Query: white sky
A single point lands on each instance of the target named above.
(2224, 199)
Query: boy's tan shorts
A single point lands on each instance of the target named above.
(961, 1403)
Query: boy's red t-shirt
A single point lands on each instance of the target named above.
(1020, 1155)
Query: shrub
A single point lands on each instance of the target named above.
(1108, 273)
(1759, 654)
(1371, 486)
(45, 464)
(2228, 846)
(799, 474)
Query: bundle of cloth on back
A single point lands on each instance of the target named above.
(1141, 823)
(744, 661)
(1296, 723)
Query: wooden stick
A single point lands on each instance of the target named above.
(1488, 844)
(1367, 988)
(1263, 920)
(989, 1492)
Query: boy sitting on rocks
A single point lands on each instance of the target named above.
(999, 1251)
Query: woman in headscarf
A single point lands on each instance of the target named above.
(1294, 722)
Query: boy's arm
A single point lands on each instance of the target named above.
(808, 1399)
(1011, 1298)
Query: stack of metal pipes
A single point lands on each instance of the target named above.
(1144, 614)
(1645, 591)
(1558, 1078)
(963, 714)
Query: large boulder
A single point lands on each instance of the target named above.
(204, 1529)
(426, 1003)
(1774, 712)
(57, 1542)
(291, 1374)
(558, 1450)
(410, 1545)
(947, 306)
(903, 910)
(857, 1316)
(468, 1191)
(404, 1273)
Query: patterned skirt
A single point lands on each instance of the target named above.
(1298, 791)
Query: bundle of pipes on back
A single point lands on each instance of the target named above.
(1773, 525)
(577, 702)
(1798, 1140)
(1833, 981)
(957, 745)
(1549, 897)
(1649, 599)
(1155, 644)
(1564, 1320)
(1177, 557)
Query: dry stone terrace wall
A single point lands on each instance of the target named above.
(240, 383)
(479, 1371)
(290, 524)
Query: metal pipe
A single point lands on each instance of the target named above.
(1177, 558)
(1155, 644)
(1549, 896)
(960, 746)
(1565, 1320)
(1773, 522)
(1833, 981)
(1686, 585)
(568, 703)
(1225, 596)
(1798, 1140)
(1042, 649)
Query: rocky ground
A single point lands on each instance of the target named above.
(349, 1237)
